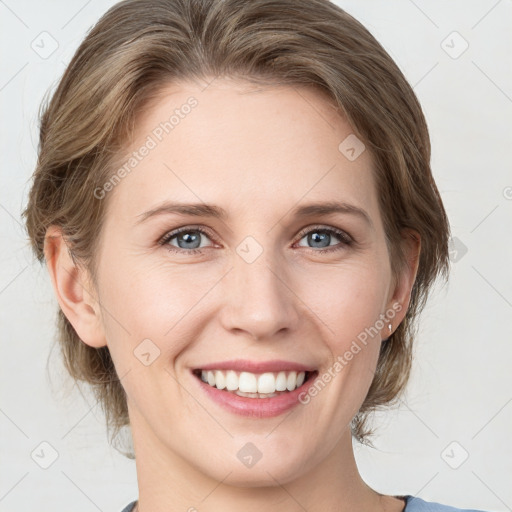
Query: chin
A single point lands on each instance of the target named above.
(270, 470)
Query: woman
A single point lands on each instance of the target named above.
(235, 204)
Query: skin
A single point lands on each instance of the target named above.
(258, 153)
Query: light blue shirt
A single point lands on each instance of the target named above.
(418, 505)
(413, 504)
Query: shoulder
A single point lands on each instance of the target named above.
(129, 507)
(414, 504)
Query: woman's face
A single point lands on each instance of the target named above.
(272, 280)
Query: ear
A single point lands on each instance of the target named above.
(73, 289)
(403, 283)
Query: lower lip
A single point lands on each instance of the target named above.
(256, 407)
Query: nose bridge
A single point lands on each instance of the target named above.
(257, 298)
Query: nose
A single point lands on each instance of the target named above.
(258, 298)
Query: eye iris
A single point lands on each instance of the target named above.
(189, 238)
(320, 236)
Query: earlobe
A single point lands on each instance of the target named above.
(73, 289)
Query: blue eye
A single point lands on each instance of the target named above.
(188, 239)
(323, 236)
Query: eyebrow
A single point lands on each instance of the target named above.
(211, 210)
(330, 207)
(194, 209)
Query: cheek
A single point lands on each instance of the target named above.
(152, 301)
(347, 299)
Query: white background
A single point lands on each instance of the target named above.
(461, 385)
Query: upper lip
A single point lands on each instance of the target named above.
(244, 365)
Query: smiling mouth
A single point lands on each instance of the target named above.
(254, 385)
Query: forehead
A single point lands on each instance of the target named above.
(244, 146)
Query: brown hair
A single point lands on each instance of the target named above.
(139, 46)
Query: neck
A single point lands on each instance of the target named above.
(167, 482)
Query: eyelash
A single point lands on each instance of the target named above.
(346, 240)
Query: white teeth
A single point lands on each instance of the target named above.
(251, 384)
(231, 380)
(291, 381)
(247, 383)
(220, 380)
(281, 381)
(266, 383)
